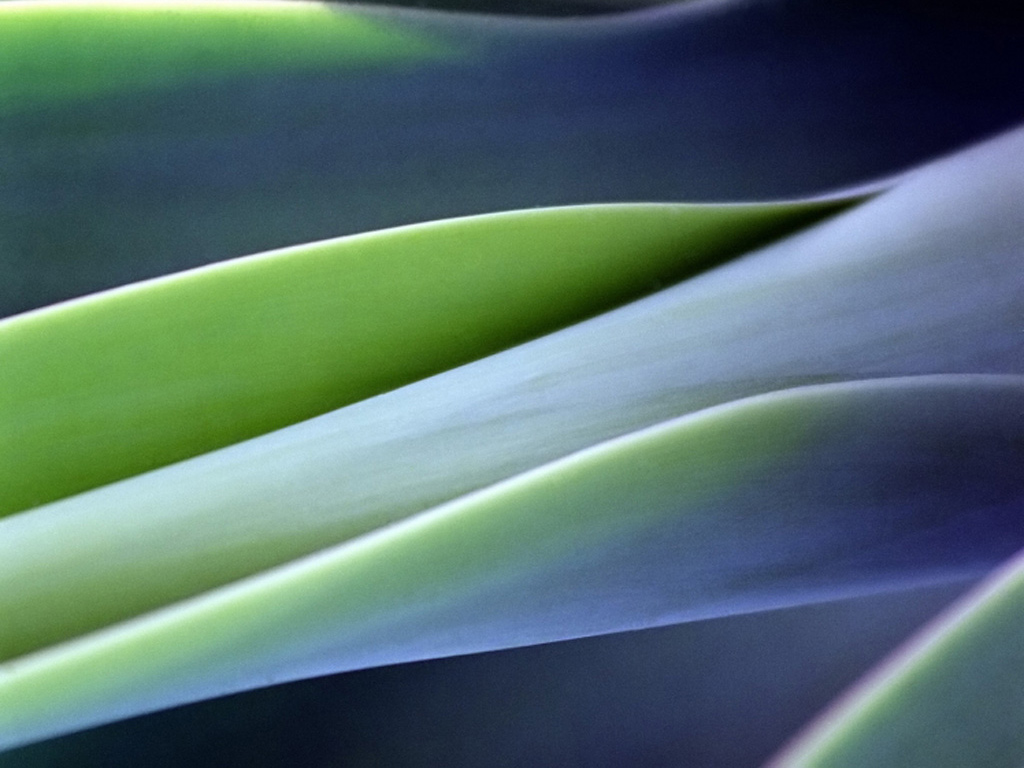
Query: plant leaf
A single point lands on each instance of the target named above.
(923, 279)
(929, 310)
(722, 693)
(103, 388)
(56, 52)
(678, 522)
(952, 696)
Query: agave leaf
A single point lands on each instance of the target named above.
(952, 696)
(722, 693)
(885, 289)
(106, 387)
(452, 115)
(910, 325)
(780, 499)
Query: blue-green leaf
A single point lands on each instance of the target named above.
(723, 693)
(780, 499)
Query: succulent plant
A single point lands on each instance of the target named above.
(607, 390)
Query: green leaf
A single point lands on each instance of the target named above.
(106, 387)
(952, 696)
(723, 693)
(882, 290)
(128, 597)
(678, 522)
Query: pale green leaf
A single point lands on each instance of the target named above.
(922, 279)
(723, 693)
(780, 499)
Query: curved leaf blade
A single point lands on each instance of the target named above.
(106, 387)
(722, 693)
(678, 522)
(55, 51)
(885, 289)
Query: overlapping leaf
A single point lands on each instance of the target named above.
(667, 525)
(116, 384)
(722, 693)
(882, 290)
(532, 495)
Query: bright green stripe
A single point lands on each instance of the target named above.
(103, 388)
(52, 51)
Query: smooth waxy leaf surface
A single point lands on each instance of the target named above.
(107, 387)
(678, 522)
(723, 693)
(885, 289)
(100, 163)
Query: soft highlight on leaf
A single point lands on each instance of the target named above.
(722, 693)
(678, 522)
(883, 288)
